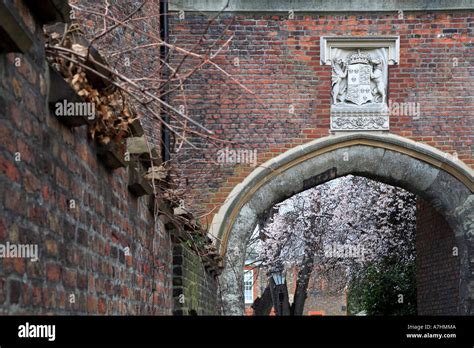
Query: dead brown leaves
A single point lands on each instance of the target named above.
(113, 113)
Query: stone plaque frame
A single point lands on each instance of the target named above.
(348, 55)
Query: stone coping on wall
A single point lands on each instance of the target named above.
(319, 5)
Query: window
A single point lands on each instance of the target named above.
(248, 286)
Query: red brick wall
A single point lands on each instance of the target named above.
(81, 250)
(436, 267)
(278, 59)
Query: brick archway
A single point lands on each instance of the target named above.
(445, 183)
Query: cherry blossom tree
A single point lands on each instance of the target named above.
(341, 225)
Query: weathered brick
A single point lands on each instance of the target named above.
(8, 167)
(27, 70)
(82, 280)
(26, 295)
(25, 150)
(53, 272)
(15, 291)
(51, 247)
(3, 229)
(91, 305)
(37, 296)
(13, 201)
(35, 270)
(102, 306)
(17, 88)
(70, 278)
(19, 265)
(31, 182)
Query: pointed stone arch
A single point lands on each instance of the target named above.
(443, 181)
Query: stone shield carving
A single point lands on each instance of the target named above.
(359, 81)
(358, 84)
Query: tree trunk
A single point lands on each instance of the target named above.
(302, 282)
(263, 305)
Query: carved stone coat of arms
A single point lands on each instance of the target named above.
(359, 92)
(359, 81)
